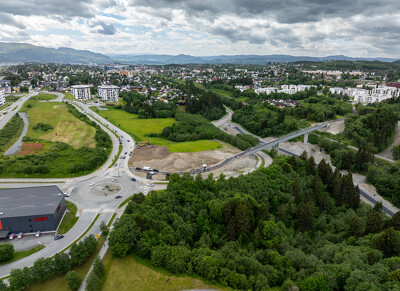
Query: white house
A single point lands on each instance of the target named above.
(2, 97)
(108, 93)
(81, 91)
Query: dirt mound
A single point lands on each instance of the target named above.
(160, 158)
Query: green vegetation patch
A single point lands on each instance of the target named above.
(65, 126)
(69, 219)
(131, 274)
(11, 132)
(43, 97)
(195, 146)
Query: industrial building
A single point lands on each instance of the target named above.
(30, 209)
(2, 97)
(81, 91)
(108, 93)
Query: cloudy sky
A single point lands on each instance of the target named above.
(366, 28)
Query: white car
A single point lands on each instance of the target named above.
(114, 180)
(91, 184)
(106, 173)
(150, 185)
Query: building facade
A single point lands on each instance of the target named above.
(81, 91)
(5, 85)
(31, 209)
(108, 93)
(2, 97)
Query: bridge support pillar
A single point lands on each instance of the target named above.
(306, 138)
(276, 147)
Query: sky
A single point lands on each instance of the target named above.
(357, 28)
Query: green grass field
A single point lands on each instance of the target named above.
(130, 274)
(141, 128)
(67, 128)
(69, 219)
(222, 92)
(44, 96)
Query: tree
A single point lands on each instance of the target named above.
(98, 267)
(6, 252)
(388, 242)
(315, 283)
(103, 228)
(62, 263)
(395, 221)
(3, 286)
(396, 152)
(354, 227)
(93, 282)
(73, 280)
(42, 269)
(374, 223)
(393, 276)
(305, 216)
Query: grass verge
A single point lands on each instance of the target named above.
(116, 157)
(125, 201)
(69, 219)
(22, 254)
(44, 96)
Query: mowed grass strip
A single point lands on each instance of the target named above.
(44, 96)
(69, 219)
(141, 128)
(66, 127)
(129, 274)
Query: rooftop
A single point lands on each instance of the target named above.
(29, 201)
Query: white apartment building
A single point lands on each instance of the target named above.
(2, 97)
(287, 89)
(108, 93)
(373, 95)
(81, 91)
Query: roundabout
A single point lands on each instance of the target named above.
(106, 189)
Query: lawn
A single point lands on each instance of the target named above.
(66, 127)
(141, 128)
(23, 254)
(222, 92)
(69, 219)
(44, 96)
(129, 274)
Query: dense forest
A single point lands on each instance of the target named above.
(290, 224)
(191, 127)
(386, 179)
(372, 129)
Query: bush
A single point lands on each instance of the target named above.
(42, 127)
(73, 280)
(93, 282)
(6, 252)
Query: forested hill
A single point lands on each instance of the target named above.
(287, 225)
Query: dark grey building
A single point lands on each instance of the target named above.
(30, 209)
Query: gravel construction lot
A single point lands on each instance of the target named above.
(160, 158)
(335, 128)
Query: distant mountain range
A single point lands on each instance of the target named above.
(21, 52)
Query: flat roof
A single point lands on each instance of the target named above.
(15, 202)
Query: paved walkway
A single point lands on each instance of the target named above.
(16, 147)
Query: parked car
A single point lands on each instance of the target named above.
(38, 233)
(126, 153)
(58, 236)
(133, 179)
(123, 157)
(12, 236)
(118, 196)
(139, 169)
(156, 170)
(150, 185)
(20, 235)
(91, 184)
(128, 140)
(114, 180)
(66, 194)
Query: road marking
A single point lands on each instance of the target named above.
(91, 210)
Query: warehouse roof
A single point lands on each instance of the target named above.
(28, 201)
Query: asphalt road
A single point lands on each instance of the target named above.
(16, 147)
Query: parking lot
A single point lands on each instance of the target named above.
(29, 241)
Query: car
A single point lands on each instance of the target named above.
(58, 236)
(106, 173)
(120, 157)
(133, 179)
(126, 153)
(118, 196)
(123, 157)
(20, 235)
(130, 153)
(66, 194)
(114, 180)
(92, 184)
(12, 236)
(156, 170)
(139, 169)
(128, 140)
(150, 185)
(38, 233)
